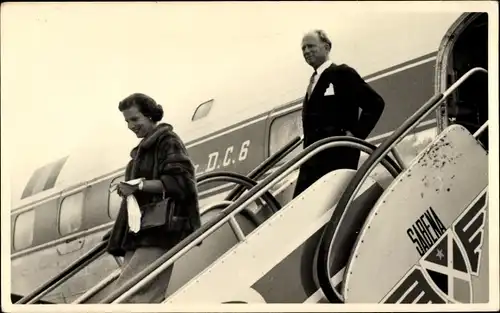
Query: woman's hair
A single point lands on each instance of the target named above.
(146, 105)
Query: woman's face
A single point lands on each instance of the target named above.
(137, 122)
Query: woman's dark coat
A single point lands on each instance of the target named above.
(176, 172)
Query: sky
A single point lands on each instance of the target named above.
(65, 66)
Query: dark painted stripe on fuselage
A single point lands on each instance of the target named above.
(400, 65)
(404, 93)
(213, 191)
(238, 151)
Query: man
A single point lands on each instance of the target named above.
(331, 108)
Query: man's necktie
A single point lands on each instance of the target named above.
(310, 87)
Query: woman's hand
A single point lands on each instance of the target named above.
(125, 190)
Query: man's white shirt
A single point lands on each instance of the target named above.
(320, 71)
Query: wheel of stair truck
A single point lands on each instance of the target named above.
(332, 233)
(272, 204)
(350, 226)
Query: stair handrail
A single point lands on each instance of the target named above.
(166, 260)
(243, 181)
(267, 165)
(330, 230)
(481, 129)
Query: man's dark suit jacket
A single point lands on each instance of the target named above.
(332, 115)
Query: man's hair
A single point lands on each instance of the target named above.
(323, 37)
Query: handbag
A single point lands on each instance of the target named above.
(162, 213)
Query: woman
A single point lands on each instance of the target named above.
(161, 160)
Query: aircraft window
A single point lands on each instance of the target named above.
(202, 110)
(23, 230)
(70, 216)
(283, 129)
(114, 199)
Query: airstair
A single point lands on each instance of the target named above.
(425, 235)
